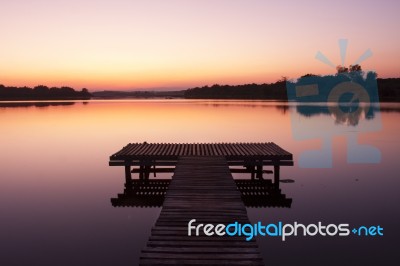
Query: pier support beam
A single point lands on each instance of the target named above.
(128, 176)
(276, 176)
(259, 171)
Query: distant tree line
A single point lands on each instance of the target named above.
(137, 94)
(388, 89)
(42, 92)
(332, 88)
(272, 91)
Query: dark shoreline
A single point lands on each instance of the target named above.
(42, 93)
(388, 91)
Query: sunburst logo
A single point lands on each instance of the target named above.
(343, 43)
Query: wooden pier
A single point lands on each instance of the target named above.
(146, 157)
(201, 188)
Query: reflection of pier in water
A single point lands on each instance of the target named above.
(151, 193)
(202, 188)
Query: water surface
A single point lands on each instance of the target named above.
(56, 185)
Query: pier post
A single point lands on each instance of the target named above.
(147, 169)
(128, 175)
(260, 170)
(276, 175)
(141, 171)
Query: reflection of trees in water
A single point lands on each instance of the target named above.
(310, 110)
(282, 108)
(35, 104)
(348, 117)
(343, 115)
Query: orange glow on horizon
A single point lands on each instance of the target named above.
(137, 45)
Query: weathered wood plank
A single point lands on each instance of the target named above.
(202, 188)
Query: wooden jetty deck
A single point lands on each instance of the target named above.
(202, 188)
(252, 156)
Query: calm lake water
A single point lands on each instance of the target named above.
(56, 185)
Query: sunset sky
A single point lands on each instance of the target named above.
(123, 44)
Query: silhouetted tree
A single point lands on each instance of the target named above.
(355, 68)
(342, 69)
(309, 75)
(41, 89)
(371, 75)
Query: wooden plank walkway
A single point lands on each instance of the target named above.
(202, 188)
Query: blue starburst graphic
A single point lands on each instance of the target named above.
(343, 43)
